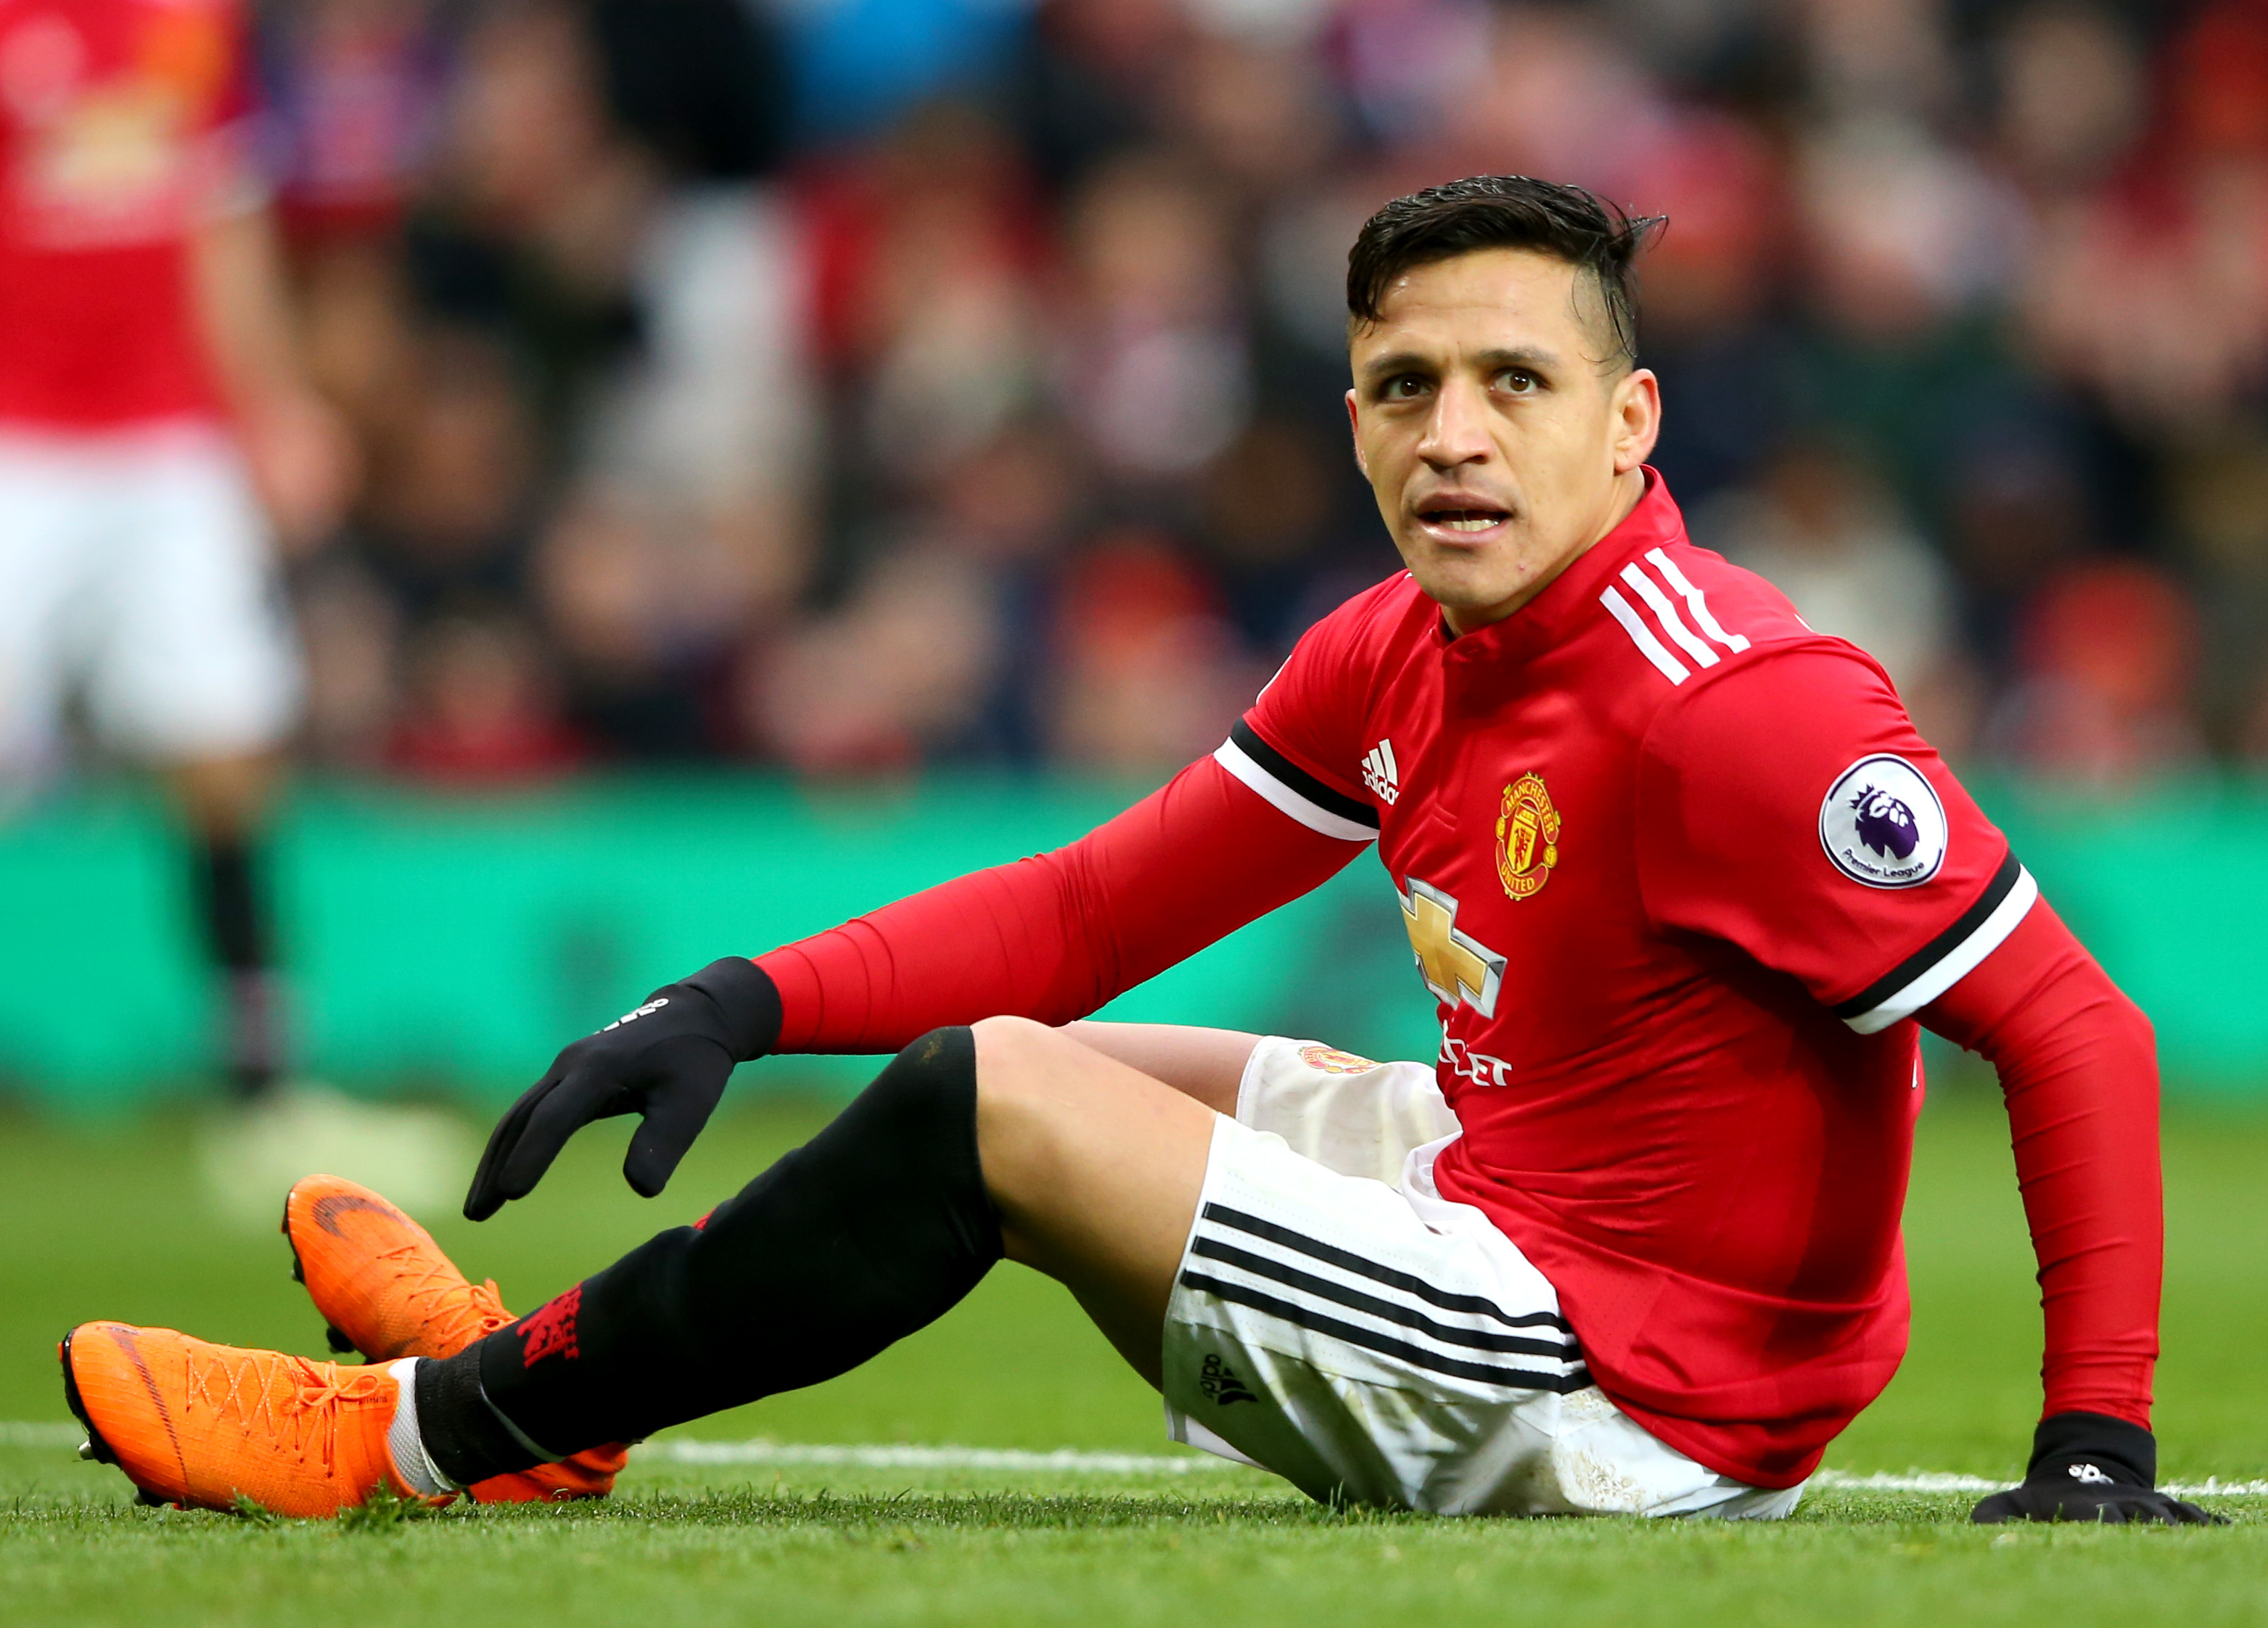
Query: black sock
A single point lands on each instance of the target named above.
(876, 1227)
(233, 912)
(467, 1440)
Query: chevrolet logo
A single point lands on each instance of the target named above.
(1455, 968)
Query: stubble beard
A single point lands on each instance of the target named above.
(1471, 589)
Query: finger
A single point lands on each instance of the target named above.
(2001, 1507)
(583, 1095)
(485, 1197)
(674, 1118)
(2181, 1512)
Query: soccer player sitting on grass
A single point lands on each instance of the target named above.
(1683, 881)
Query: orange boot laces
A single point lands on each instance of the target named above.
(455, 1313)
(243, 1384)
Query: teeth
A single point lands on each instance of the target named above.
(1470, 522)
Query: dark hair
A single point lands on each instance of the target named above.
(1504, 211)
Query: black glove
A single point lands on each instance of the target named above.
(667, 1062)
(2091, 1467)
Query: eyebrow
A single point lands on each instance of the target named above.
(1492, 361)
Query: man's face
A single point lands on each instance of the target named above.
(1499, 440)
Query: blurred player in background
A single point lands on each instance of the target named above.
(157, 440)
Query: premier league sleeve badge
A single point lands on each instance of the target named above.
(1881, 823)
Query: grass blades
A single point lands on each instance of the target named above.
(108, 1224)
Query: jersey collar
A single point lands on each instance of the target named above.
(1551, 616)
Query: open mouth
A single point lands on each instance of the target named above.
(1462, 519)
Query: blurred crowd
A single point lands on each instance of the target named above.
(855, 384)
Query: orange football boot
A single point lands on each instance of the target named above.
(388, 1291)
(202, 1425)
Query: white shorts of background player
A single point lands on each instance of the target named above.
(1332, 1313)
(136, 569)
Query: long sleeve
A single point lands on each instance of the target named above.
(2078, 1065)
(1054, 937)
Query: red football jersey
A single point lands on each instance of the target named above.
(1677, 871)
(120, 128)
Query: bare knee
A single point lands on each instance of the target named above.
(1093, 1169)
(1026, 1078)
(1009, 1044)
(1056, 1118)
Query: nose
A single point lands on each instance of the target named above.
(1456, 430)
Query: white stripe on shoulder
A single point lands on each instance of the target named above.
(1241, 763)
(1698, 606)
(1651, 648)
(1666, 613)
(1957, 963)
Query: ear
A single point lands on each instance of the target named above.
(1636, 406)
(1354, 430)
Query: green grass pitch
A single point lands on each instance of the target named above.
(106, 1224)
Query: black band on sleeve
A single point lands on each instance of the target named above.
(1298, 780)
(1917, 965)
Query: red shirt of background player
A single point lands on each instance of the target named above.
(1604, 816)
(121, 128)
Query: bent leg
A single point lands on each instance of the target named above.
(1094, 1169)
(870, 1231)
(965, 1144)
(1207, 1064)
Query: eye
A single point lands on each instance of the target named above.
(1518, 381)
(1403, 387)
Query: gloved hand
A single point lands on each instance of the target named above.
(666, 1062)
(2091, 1467)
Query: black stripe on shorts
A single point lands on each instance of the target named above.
(1386, 1344)
(1347, 1260)
(1391, 1311)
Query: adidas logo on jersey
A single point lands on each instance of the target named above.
(1381, 774)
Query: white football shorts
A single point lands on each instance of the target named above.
(1339, 1322)
(135, 570)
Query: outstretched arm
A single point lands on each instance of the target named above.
(1051, 937)
(1963, 942)
(2078, 1068)
(1054, 937)
(1270, 815)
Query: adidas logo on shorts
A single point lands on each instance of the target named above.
(1220, 1381)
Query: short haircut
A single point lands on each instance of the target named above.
(1505, 211)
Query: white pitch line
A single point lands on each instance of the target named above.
(906, 1455)
(41, 1433)
(1912, 1481)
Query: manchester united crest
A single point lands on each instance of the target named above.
(1527, 837)
(1330, 1060)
